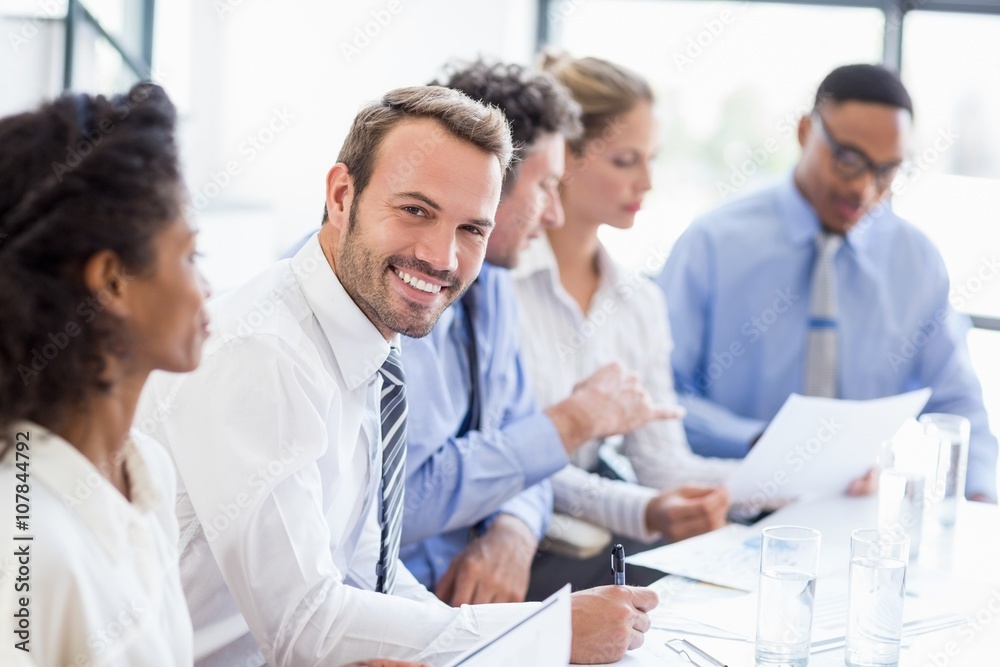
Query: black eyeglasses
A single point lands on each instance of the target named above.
(850, 163)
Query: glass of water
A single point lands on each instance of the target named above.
(875, 598)
(951, 432)
(901, 501)
(789, 558)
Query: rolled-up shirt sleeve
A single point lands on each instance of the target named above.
(614, 504)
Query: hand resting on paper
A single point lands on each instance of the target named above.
(687, 511)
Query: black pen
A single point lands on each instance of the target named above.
(618, 564)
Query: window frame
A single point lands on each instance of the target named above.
(141, 64)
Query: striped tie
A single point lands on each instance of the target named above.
(393, 412)
(821, 359)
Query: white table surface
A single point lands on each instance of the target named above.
(959, 563)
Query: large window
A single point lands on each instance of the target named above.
(31, 56)
(101, 46)
(951, 64)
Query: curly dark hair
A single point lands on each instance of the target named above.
(78, 176)
(534, 102)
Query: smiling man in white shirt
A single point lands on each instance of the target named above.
(287, 529)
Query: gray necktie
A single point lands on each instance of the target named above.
(393, 417)
(821, 353)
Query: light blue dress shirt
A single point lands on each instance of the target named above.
(453, 483)
(738, 288)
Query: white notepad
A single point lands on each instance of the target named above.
(541, 638)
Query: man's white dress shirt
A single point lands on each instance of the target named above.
(103, 587)
(561, 346)
(277, 441)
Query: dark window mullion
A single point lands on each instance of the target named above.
(147, 33)
(137, 65)
(985, 322)
(892, 36)
(69, 44)
(76, 14)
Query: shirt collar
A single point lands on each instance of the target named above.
(86, 492)
(610, 272)
(801, 222)
(359, 350)
(539, 258)
(803, 225)
(858, 236)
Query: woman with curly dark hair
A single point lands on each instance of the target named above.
(98, 288)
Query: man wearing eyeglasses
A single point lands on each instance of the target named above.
(816, 286)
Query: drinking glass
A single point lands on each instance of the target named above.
(901, 502)
(875, 598)
(951, 432)
(789, 559)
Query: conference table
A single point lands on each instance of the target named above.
(953, 585)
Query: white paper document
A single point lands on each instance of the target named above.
(814, 447)
(541, 638)
(729, 556)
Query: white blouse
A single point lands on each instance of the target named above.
(100, 574)
(561, 346)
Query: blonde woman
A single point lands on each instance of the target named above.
(581, 310)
